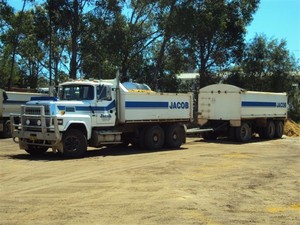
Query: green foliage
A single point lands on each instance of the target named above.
(146, 40)
(267, 65)
(215, 32)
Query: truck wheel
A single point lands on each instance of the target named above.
(6, 129)
(174, 136)
(278, 129)
(154, 138)
(36, 150)
(74, 144)
(269, 130)
(244, 132)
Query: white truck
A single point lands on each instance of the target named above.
(10, 102)
(101, 112)
(236, 113)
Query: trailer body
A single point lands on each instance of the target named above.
(227, 108)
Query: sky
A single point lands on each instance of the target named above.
(277, 19)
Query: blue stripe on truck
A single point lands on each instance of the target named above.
(88, 108)
(135, 104)
(258, 104)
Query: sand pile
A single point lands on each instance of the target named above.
(291, 128)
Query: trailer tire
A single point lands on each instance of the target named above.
(174, 136)
(244, 132)
(36, 150)
(154, 138)
(269, 130)
(279, 127)
(74, 144)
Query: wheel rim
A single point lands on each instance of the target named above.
(271, 129)
(71, 143)
(279, 128)
(174, 136)
(154, 138)
(244, 132)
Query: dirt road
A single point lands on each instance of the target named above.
(202, 183)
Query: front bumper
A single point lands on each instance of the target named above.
(25, 127)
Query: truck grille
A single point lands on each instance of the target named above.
(36, 111)
(34, 117)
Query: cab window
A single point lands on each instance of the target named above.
(103, 93)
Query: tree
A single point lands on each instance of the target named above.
(100, 44)
(267, 65)
(6, 48)
(15, 44)
(215, 32)
(72, 13)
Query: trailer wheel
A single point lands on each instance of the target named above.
(269, 130)
(74, 144)
(279, 127)
(174, 136)
(36, 150)
(154, 138)
(244, 132)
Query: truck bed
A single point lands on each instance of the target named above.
(152, 106)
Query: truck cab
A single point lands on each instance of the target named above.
(94, 100)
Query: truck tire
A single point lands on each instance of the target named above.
(174, 136)
(154, 138)
(36, 150)
(269, 130)
(279, 127)
(244, 132)
(74, 144)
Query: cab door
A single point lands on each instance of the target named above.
(105, 108)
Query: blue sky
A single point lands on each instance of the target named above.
(277, 19)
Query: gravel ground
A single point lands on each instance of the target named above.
(202, 183)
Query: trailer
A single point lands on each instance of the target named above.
(237, 113)
(10, 102)
(102, 112)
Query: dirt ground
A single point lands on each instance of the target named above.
(202, 183)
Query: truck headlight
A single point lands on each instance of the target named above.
(27, 122)
(39, 122)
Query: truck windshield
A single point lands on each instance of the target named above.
(76, 92)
